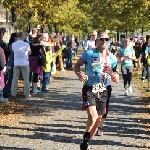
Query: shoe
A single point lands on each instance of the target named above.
(63, 70)
(148, 90)
(130, 89)
(13, 97)
(28, 96)
(45, 90)
(2, 99)
(5, 95)
(84, 146)
(126, 93)
(30, 85)
(39, 88)
(53, 72)
(142, 79)
(36, 91)
(99, 131)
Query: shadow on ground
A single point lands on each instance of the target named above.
(13, 148)
(116, 126)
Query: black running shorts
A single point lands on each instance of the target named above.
(92, 99)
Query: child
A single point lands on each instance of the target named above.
(47, 69)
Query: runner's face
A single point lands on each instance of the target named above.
(102, 41)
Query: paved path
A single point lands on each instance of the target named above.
(55, 121)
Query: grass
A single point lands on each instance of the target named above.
(145, 97)
(141, 85)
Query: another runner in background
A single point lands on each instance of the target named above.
(91, 42)
(127, 55)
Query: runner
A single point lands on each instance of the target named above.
(91, 43)
(98, 67)
(127, 54)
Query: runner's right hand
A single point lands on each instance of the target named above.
(83, 78)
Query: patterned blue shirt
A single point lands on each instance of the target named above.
(126, 52)
(94, 67)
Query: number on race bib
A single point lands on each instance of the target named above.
(98, 87)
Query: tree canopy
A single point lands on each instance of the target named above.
(83, 15)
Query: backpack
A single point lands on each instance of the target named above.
(148, 59)
(41, 59)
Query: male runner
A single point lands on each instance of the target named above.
(98, 67)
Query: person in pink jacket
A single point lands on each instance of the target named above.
(2, 66)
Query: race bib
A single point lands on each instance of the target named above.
(100, 87)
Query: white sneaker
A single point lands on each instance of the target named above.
(53, 72)
(142, 79)
(28, 96)
(126, 93)
(63, 70)
(130, 89)
(2, 99)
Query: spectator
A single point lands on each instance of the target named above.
(68, 53)
(51, 42)
(21, 51)
(34, 34)
(56, 48)
(58, 36)
(45, 42)
(90, 44)
(47, 69)
(147, 56)
(40, 36)
(144, 72)
(3, 45)
(35, 68)
(76, 45)
(2, 83)
(138, 54)
(9, 66)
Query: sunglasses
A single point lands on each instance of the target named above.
(103, 39)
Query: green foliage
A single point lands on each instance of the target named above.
(84, 15)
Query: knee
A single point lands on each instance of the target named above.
(93, 118)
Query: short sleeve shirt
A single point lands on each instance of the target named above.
(94, 66)
(147, 50)
(21, 49)
(127, 52)
(89, 44)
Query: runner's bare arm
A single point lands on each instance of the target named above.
(113, 73)
(77, 66)
(115, 77)
(122, 58)
(133, 55)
